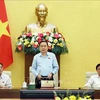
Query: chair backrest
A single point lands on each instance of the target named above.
(32, 77)
(89, 74)
(8, 73)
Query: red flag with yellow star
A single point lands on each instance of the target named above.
(5, 38)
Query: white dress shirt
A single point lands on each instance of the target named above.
(5, 80)
(44, 65)
(93, 82)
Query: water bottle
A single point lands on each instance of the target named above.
(24, 85)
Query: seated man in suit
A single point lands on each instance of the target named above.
(5, 81)
(94, 81)
(44, 64)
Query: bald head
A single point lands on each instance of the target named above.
(41, 7)
(41, 12)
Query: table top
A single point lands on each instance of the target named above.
(15, 93)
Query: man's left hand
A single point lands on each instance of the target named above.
(50, 76)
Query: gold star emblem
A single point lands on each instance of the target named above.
(3, 29)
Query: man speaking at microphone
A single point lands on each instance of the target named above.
(44, 64)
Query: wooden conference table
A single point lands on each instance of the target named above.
(47, 94)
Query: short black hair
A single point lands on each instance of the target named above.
(97, 66)
(1, 64)
(43, 41)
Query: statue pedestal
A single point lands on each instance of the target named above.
(28, 62)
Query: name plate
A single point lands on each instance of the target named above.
(47, 83)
